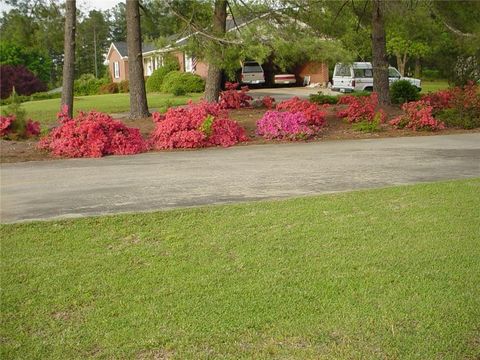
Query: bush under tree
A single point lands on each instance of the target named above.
(403, 91)
(186, 82)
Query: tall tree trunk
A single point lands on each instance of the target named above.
(214, 75)
(138, 95)
(69, 56)
(418, 67)
(379, 50)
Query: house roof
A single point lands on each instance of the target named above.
(122, 48)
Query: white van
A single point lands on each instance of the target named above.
(358, 76)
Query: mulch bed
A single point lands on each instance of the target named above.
(337, 129)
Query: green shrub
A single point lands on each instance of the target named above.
(369, 126)
(123, 86)
(111, 88)
(45, 96)
(88, 84)
(191, 83)
(155, 81)
(33, 97)
(403, 91)
(459, 119)
(323, 99)
(179, 90)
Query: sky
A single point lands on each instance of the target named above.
(82, 4)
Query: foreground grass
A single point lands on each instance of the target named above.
(45, 111)
(390, 273)
(434, 85)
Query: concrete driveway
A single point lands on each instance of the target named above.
(284, 93)
(79, 187)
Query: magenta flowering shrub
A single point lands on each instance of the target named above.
(92, 134)
(285, 125)
(418, 116)
(197, 125)
(314, 114)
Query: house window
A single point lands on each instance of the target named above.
(116, 70)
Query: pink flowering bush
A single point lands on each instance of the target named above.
(92, 134)
(232, 98)
(418, 116)
(285, 125)
(12, 127)
(197, 125)
(360, 108)
(312, 112)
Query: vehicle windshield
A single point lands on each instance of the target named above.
(252, 68)
(393, 73)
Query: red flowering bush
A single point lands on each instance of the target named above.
(439, 100)
(194, 126)
(6, 124)
(92, 134)
(268, 102)
(360, 108)
(232, 98)
(285, 125)
(418, 116)
(457, 107)
(12, 127)
(312, 112)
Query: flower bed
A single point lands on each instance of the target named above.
(12, 127)
(195, 126)
(92, 134)
(294, 119)
(418, 116)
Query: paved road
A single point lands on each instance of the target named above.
(72, 188)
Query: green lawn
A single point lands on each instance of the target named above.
(45, 110)
(382, 274)
(434, 85)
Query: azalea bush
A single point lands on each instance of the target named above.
(418, 116)
(458, 106)
(314, 114)
(12, 128)
(197, 125)
(92, 134)
(232, 98)
(14, 124)
(439, 100)
(268, 102)
(360, 108)
(285, 125)
(464, 108)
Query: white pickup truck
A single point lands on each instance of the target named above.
(358, 76)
